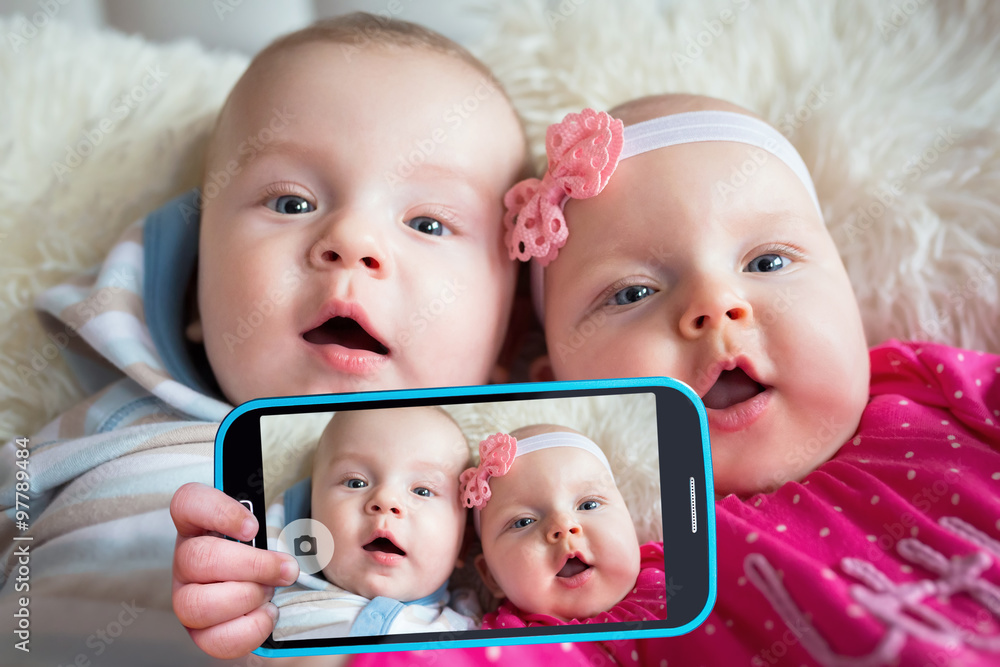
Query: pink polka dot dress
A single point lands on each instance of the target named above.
(887, 554)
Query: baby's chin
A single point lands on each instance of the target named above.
(583, 611)
(588, 608)
(761, 472)
(402, 591)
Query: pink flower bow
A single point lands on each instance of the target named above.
(496, 454)
(583, 151)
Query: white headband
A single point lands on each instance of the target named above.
(686, 128)
(495, 461)
(561, 439)
(695, 126)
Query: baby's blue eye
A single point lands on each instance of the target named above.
(767, 263)
(631, 294)
(589, 505)
(522, 522)
(426, 225)
(422, 491)
(355, 483)
(290, 205)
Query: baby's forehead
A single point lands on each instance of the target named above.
(543, 472)
(686, 194)
(418, 435)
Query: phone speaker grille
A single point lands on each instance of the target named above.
(694, 513)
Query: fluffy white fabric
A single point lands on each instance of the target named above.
(99, 128)
(863, 91)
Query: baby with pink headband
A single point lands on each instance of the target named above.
(558, 541)
(655, 253)
(681, 236)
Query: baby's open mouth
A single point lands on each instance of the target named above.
(573, 567)
(345, 332)
(730, 388)
(385, 545)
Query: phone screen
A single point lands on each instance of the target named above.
(359, 488)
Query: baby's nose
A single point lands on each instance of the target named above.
(385, 504)
(562, 527)
(350, 243)
(712, 307)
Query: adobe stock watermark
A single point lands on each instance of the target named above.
(372, 31)
(773, 654)
(246, 151)
(580, 334)
(922, 501)
(423, 316)
(262, 309)
(103, 638)
(452, 119)
(121, 108)
(696, 45)
(563, 11)
(41, 357)
(817, 97)
(974, 288)
(885, 194)
(900, 12)
(742, 173)
(802, 458)
(223, 8)
(27, 28)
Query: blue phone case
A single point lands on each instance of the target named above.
(706, 520)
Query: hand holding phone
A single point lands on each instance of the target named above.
(222, 589)
(373, 578)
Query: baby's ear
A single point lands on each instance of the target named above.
(192, 330)
(541, 370)
(484, 572)
(194, 333)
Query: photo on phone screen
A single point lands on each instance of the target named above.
(510, 514)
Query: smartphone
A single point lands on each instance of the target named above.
(654, 435)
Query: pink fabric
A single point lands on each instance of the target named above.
(583, 151)
(496, 455)
(646, 602)
(884, 553)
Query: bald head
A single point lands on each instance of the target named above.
(540, 429)
(353, 34)
(371, 427)
(655, 106)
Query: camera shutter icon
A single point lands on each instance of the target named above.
(309, 542)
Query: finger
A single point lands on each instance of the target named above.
(239, 636)
(201, 606)
(198, 509)
(207, 560)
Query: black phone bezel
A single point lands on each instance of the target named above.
(689, 556)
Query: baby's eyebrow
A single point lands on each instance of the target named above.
(295, 149)
(430, 171)
(431, 471)
(338, 462)
(598, 484)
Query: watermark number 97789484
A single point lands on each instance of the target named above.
(22, 519)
